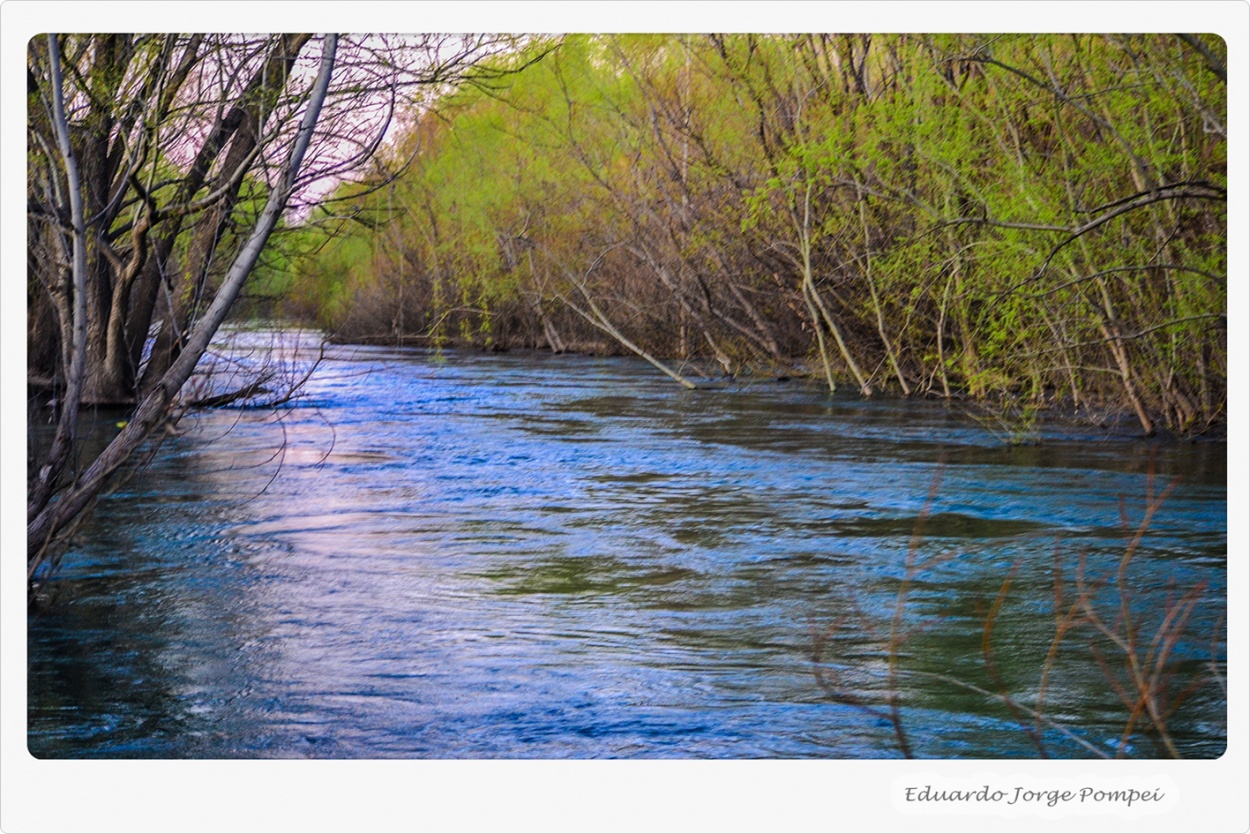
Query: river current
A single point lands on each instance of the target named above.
(465, 555)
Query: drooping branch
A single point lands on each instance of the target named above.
(1171, 191)
(596, 317)
(1213, 62)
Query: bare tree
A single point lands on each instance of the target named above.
(160, 168)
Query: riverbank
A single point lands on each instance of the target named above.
(1011, 413)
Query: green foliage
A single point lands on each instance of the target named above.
(982, 214)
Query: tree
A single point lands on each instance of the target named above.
(159, 168)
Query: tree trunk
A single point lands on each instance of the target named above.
(188, 286)
(76, 366)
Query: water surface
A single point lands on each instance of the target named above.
(462, 555)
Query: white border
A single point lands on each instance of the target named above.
(578, 796)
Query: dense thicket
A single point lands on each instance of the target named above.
(1036, 218)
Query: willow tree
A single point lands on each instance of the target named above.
(159, 168)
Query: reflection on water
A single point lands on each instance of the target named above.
(530, 556)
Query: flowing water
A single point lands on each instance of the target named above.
(463, 555)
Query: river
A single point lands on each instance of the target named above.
(466, 555)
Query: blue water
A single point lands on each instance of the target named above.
(463, 555)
